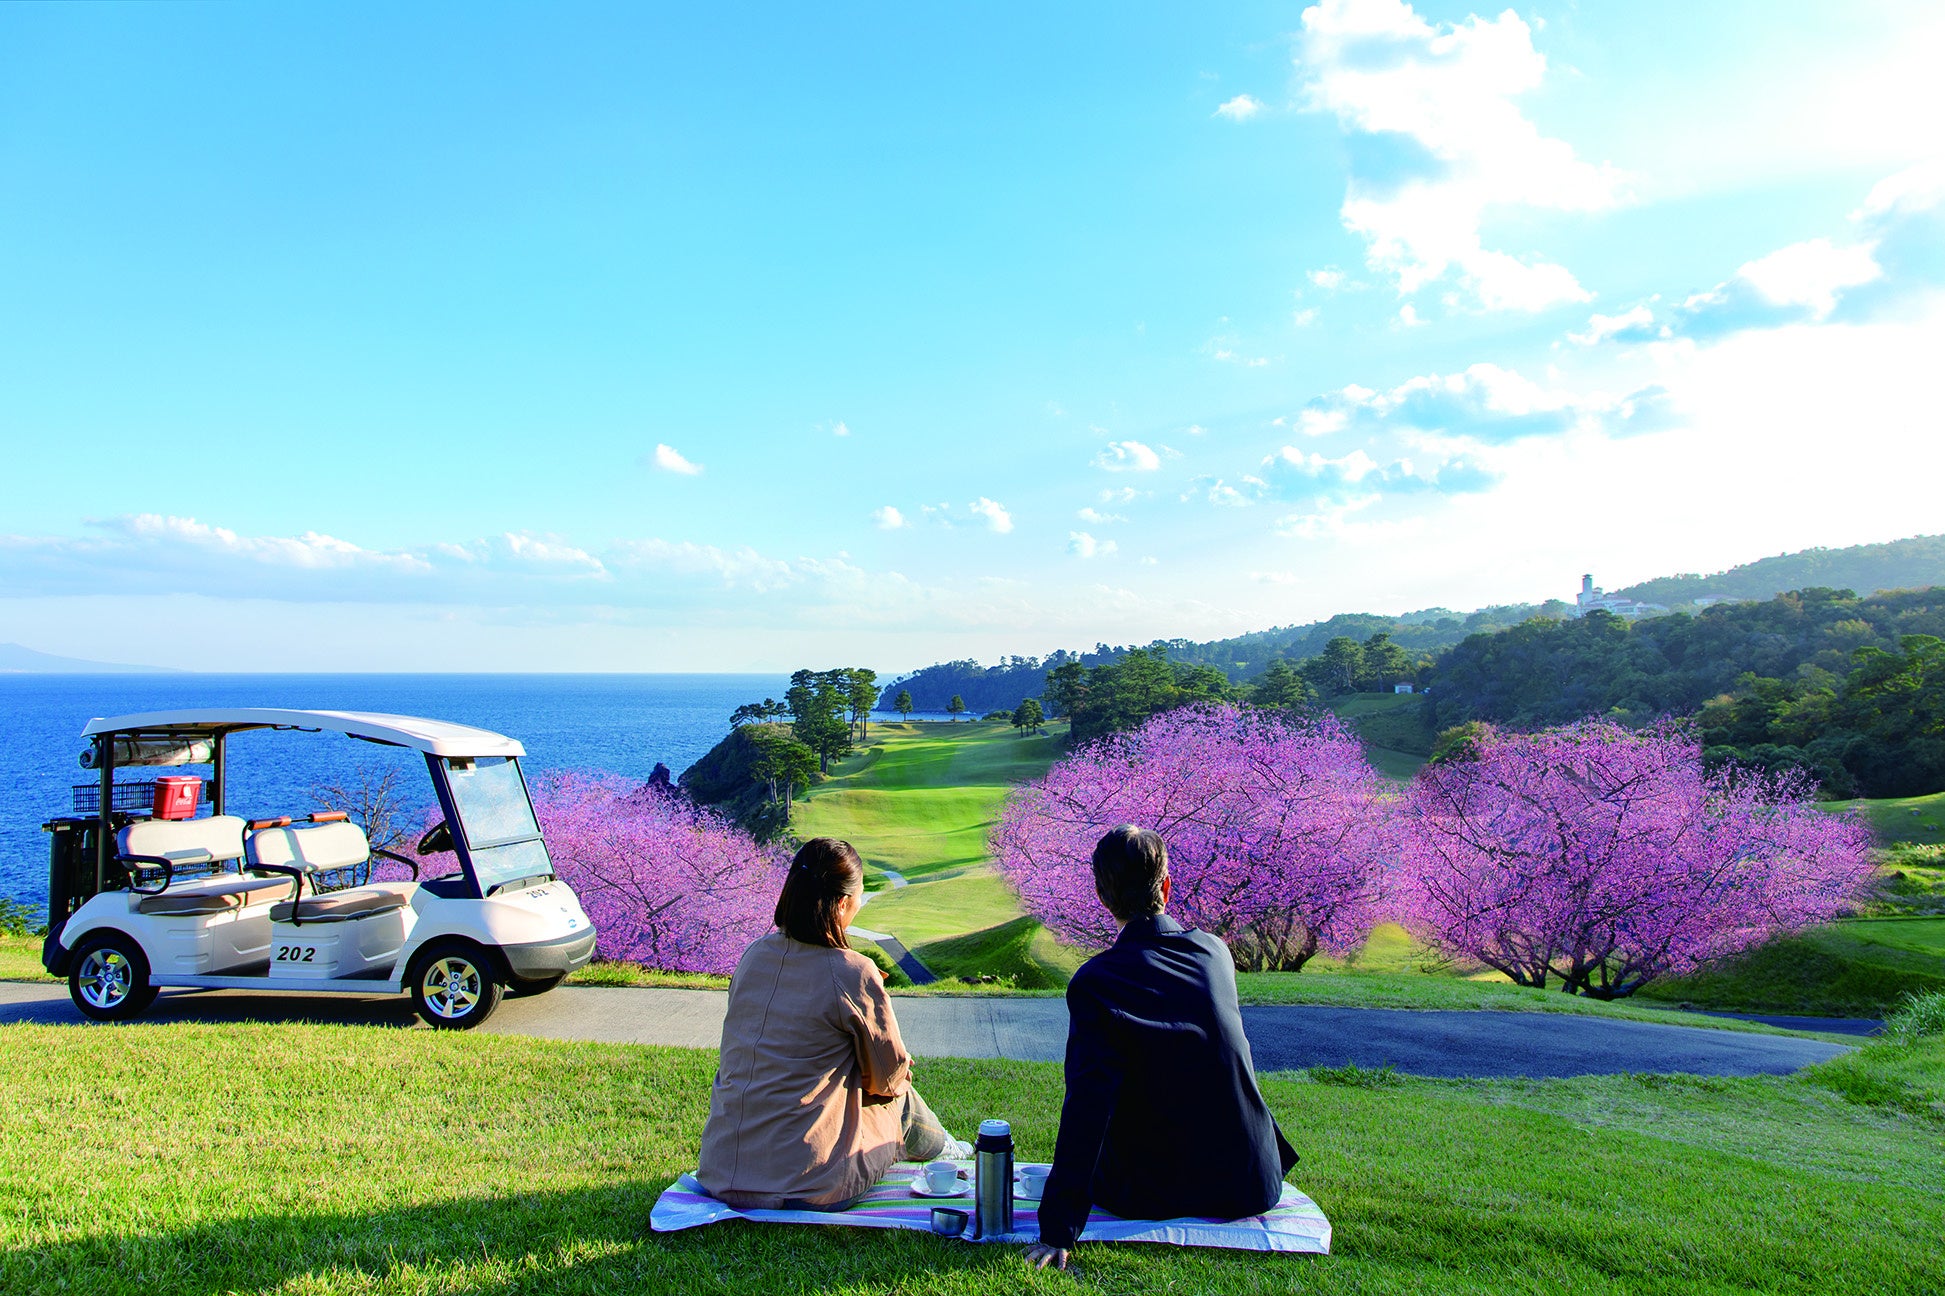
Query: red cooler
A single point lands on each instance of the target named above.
(176, 796)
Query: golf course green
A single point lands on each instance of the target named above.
(919, 800)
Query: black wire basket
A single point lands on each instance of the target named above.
(124, 798)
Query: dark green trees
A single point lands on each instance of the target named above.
(903, 704)
(1119, 695)
(1028, 716)
(782, 764)
(818, 702)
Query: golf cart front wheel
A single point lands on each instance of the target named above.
(110, 979)
(453, 988)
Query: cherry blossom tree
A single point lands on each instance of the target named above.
(1607, 857)
(667, 883)
(1279, 834)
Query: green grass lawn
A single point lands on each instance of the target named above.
(1919, 820)
(1396, 728)
(330, 1159)
(921, 800)
(1856, 968)
(20, 959)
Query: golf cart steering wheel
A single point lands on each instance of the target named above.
(437, 838)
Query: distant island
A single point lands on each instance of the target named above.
(18, 660)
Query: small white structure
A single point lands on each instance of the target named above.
(1593, 598)
(1401, 688)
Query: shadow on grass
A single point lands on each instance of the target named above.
(588, 1239)
(233, 1006)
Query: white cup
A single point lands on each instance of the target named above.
(1033, 1182)
(941, 1177)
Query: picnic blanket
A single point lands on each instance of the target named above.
(1294, 1224)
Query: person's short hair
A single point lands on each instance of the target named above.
(1129, 865)
(824, 872)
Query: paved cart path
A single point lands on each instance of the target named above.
(1282, 1037)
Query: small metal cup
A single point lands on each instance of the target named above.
(947, 1222)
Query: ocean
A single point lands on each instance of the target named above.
(619, 724)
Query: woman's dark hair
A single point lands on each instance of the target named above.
(1129, 865)
(825, 871)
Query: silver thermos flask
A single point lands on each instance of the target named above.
(993, 1179)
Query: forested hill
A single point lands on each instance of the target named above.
(1913, 563)
(993, 688)
(1851, 689)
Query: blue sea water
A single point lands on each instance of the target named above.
(620, 724)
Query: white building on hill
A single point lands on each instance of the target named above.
(1592, 597)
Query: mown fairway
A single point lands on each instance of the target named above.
(337, 1159)
(920, 801)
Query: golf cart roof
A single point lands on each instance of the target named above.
(434, 737)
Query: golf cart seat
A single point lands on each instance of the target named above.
(320, 848)
(213, 895)
(214, 843)
(338, 906)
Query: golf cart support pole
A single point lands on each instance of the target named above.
(105, 746)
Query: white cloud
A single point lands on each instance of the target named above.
(1195, 429)
(1127, 456)
(669, 459)
(1322, 422)
(840, 428)
(887, 518)
(1602, 327)
(1224, 351)
(1919, 187)
(1120, 495)
(1098, 518)
(1330, 280)
(1305, 317)
(1083, 545)
(1241, 108)
(994, 512)
(1440, 142)
(1810, 274)
(1353, 467)
(1275, 578)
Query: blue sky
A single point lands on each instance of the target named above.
(614, 338)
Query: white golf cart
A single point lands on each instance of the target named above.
(144, 893)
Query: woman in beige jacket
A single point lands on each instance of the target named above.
(813, 1099)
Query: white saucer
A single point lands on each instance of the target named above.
(920, 1190)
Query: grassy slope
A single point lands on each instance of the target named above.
(1397, 734)
(481, 1164)
(1918, 820)
(921, 801)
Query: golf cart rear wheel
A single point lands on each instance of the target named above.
(110, 979)
(453, 986)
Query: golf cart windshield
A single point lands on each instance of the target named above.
(501, 834)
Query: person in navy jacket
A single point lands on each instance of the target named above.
(1163, 1117)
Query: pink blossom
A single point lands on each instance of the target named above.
(1279, 834)
(1607, 857)
(667, 884)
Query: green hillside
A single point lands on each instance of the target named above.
(1396, 728)
(1912, 563)
(921, 801)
